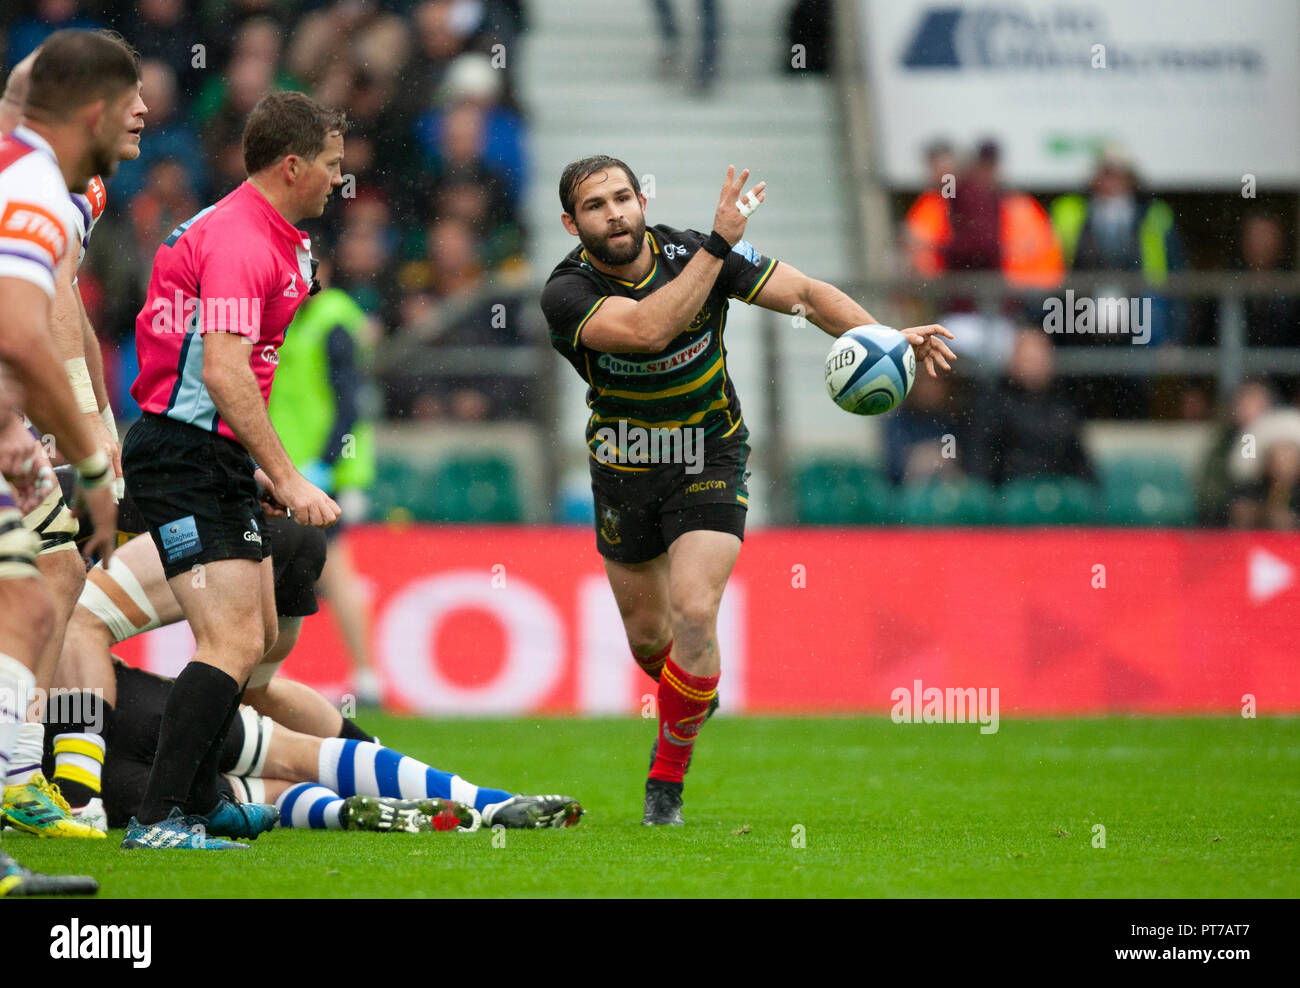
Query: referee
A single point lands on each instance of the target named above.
(640, 313)
(224, 286)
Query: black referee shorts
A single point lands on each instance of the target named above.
(639, 514)
(195, 491)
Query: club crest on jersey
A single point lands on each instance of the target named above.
(678, 358)
(609, 525)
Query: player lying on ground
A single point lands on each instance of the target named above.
(327, 783)
(639, 313)
(131, 595)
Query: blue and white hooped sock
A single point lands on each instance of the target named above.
(309, 806)
(364, 768)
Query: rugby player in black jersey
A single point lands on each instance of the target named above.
(640, 314)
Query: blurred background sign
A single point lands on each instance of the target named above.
(1200, 92)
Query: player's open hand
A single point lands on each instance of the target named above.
(728, 220)
(929, 347)
(307, 504)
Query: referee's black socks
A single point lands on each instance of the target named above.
(198, 713)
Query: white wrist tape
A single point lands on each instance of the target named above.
(95, 471)
(79, 378)
(747, 204)
(110, 423)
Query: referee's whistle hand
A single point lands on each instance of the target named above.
(307, 503)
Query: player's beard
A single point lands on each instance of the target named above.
(103, 160)
(617, 256)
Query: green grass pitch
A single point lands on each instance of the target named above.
(1192, 807)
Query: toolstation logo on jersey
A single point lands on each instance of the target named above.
(616, 365)
(242, 316)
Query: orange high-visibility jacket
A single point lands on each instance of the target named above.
(1031, 252)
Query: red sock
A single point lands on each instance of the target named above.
(652, 665)
(683, 704)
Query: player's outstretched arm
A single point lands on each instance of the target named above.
(622, 325)
(235, 392)
(792, 292)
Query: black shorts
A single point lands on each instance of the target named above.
(195, 491)
(640, 514)
(299, 559)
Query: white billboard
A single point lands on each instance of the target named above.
(1199, 92)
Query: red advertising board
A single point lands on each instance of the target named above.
(509, 620)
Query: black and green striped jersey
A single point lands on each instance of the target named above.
(684, 385)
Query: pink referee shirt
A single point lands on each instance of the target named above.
(236, 267)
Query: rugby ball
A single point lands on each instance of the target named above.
(870, 369)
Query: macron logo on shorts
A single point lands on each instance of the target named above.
(180, 538)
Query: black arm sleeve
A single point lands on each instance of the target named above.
(345, 379)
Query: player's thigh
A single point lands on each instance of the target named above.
(700, 563)
(641, 592)
(64, 573)
(137, 568)
(226, 612)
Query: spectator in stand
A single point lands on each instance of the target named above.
(450, 302)
(979, 225)
(1273, 500)
(159, 33)
(915, 433)
(166, 201)
(247, 80)
(926, 230)
(363, 256)
(1252, 400)
(705, 71)
(1023, 429)
(1114, 228)
(1271, 320)
(170, 137)
(480, 202)
(50, 16)
(359, 30)
(471, 81)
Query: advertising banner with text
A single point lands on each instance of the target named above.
(516, 620)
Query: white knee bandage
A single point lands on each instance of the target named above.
(114, 595)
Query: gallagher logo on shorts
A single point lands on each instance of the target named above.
(253, 535)
(180, 538)
(609, 521)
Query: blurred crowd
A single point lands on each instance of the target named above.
(427, 236)
(426, 233)
(1021, 419)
